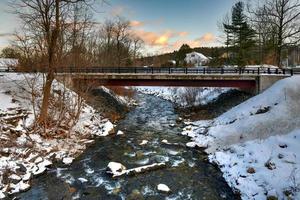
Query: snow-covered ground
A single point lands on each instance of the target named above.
(183, 96)
(25, 153)
(257, 143)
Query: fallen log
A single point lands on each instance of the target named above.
(139, 170)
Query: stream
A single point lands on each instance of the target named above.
(188, 174)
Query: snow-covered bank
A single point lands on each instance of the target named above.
(25, 153)
(183, 96)
(257, 142)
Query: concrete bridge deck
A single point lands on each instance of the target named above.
(250, 79)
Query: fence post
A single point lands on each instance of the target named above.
(186, 70)
(292, 72)
(203, 70)
(222, 70)
(258, 70)
(152, 70)
(283, 71)
(169, 70)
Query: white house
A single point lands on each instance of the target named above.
(197, 59)
(6, 63)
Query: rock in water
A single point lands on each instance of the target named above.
(191, 144)
(163, 188)
(68, 160)
(120, 133)
(115, 168)
(82, 180)
(144, 142)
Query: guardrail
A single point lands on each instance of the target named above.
(163, 70)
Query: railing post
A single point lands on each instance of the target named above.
(222, 70)
(169, 70)
(258, 70)
(152, 70)
(292, 72)
(276, 71)
(203, 70)
(269, 71)
(283, 71)
(186, 70)
(135, 70)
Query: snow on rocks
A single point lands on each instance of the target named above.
(68, 160)
(117, 169)
(163, 188)
(27, 153)
(120, 133)
(178, 95)
(144, 142)
(191, 144)
(83, 180)
(257, 142)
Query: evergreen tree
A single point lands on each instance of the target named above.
(240, 36)
(181, 53)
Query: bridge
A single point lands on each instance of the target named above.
(251, 79)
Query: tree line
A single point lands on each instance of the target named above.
(259, 31)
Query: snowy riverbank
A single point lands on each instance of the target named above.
(25, 153)
(256, 144)
(183, 96)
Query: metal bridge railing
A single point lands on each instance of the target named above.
(161, 70)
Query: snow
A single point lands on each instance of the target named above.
(115, 168)
(198, 59)
(163, 188)
(120, 133)
(7, 62)
(256, 143)
(28, 151)
(68, 160)
(82, 180)
(185, 97)
(144, 142)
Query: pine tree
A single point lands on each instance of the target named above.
(240, 36)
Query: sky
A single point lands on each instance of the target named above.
(164, 25)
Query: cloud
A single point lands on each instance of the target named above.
(207, 38)
(158, 39)
(183, 34)
(136, 23)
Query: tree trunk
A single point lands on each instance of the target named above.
(52, 51)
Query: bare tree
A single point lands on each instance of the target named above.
(283, 17)
(42, 21)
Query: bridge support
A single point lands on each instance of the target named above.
(266, 81)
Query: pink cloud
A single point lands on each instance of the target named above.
(136, 23)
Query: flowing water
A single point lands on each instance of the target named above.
(187, 174)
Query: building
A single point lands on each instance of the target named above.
(6, 63)
(196, 59)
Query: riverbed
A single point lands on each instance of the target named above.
(188, 173)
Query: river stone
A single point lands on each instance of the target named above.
(191, 144)
(144, 142)
(163, 188)
(115, 168)
(135, 194)
(68, 160)
(120, 133)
